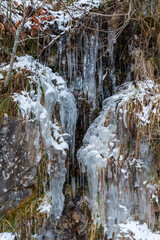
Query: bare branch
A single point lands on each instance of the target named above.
(53, 40)
(15, 46)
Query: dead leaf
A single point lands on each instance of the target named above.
(2, 27)
(18, 23)
(16, 4)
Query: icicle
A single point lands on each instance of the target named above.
(110, 48)
(74, 63)
(78, 185)
(73, 187)
(64, 66)
(89, 67)
(57, 183)
(51, 95)
(68, 115)
(100, 78)
(69, 61)
(60, 47)
(85, 64)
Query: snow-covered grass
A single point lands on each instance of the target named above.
(134, 230)
(145, 104)
(46, 206)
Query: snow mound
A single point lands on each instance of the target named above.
(7, 236)
(135, 230)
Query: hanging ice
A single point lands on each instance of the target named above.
(110, 197)
(68, 115)
(111, 68)
(53, 88)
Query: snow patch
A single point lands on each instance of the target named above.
(7, 236)
(46, 206)
(135, 230)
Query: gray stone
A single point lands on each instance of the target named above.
(17, 162)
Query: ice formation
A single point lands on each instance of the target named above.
(110, 48)
(111, 201)
(68, 116)
(100, 153)
(81, 63)
(54, 89)
(84, 81)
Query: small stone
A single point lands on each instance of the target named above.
(5, 116)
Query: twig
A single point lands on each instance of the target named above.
(53, 40)
(15, 46)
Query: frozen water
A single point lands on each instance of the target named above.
(54, 90)
(57, 183)
(68, 115)
(113, 201)
(111, 69)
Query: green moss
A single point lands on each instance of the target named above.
(96, 232)
(42, 175)
(25, 219)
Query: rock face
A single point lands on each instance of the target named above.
(17, 162)
(101, 181)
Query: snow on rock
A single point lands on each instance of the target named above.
(135, 230)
